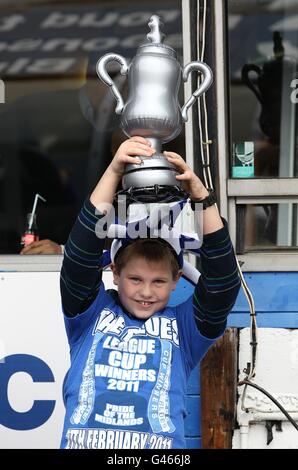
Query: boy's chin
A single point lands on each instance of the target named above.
(142, 315)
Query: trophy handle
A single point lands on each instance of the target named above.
(246, 69)
(208, 78)
(105, 77)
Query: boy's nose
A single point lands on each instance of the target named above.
(146, 291)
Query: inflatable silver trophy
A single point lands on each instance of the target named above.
(152, 111)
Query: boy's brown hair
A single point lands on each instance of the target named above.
(152, 250)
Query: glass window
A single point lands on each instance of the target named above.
(263, 55)
(58, 127)
(266, 227)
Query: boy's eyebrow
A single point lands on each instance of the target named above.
(163, 278)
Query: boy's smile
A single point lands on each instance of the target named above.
(144, 287)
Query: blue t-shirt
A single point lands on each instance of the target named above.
(126, 386)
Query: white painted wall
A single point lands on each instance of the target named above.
(31, 323)
(277, 373)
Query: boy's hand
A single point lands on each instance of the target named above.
(191, 183)
(129, 152)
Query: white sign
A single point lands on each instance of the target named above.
(34, 360)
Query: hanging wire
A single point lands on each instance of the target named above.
(206, 141)
(283, 410)
(201, 53)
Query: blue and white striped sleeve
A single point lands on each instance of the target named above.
(218, 285)
(81, 275)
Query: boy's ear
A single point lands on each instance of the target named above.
(115, 274)
(176, 279)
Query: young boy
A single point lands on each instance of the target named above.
(131, 354)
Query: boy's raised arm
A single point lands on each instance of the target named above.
(81, 270)
(219, 283)
(80, 276)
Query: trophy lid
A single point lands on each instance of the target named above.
(155, 39)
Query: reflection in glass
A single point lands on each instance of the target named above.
(58, 129)
(263, 50)
(270, 226)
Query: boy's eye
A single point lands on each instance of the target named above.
(135, 279)
(159, 281)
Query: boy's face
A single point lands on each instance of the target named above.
(144, 287)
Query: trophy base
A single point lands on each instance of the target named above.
(153, 180)
(151, 194)
(155, 170)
